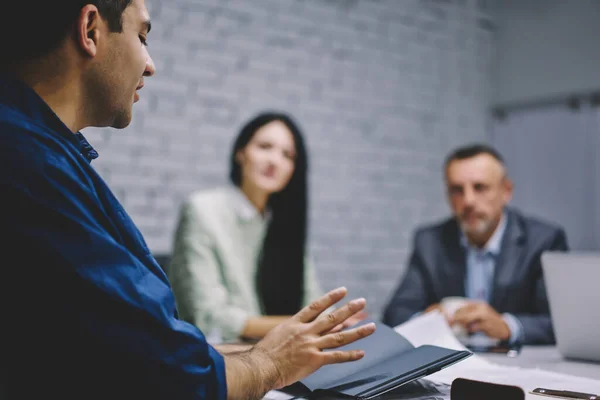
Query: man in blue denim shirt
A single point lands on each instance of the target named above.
(87, 312)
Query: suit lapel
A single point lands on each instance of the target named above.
(455, 267)
(508, 264)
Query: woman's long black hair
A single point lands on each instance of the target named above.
(280, 274)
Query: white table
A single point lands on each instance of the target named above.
(547, 358)
(542, 357)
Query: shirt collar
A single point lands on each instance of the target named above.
(493, 244)
(245, 209)
(86, 148)
(23, 99)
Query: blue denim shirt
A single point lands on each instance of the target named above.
(87, 312)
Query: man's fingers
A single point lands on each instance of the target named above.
(467, 315)
(434, 307)
(465, 319)
(336, 357)
(326, 322)
(474, 327)
(355, 319)
(337, 328)
(312, 311)
(461, 318)
(333, 340)
(469, 307)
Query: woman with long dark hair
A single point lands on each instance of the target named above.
(239, 265)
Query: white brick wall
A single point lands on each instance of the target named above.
(382, 88)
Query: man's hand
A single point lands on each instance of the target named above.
(227, 348)
(481, 317)
(296, 346)
(294, 349)
(355, 319)
(434, 307)
(438, 307)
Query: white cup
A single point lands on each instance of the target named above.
(450, 305)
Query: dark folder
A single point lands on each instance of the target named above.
(389, 362)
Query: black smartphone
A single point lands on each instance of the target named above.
(466, 389)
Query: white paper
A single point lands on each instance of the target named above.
(416, 390)
(277, 395)
(432, 328)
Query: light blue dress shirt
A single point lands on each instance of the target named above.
(479, 281)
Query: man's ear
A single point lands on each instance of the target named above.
(508, 189)
(87, 29)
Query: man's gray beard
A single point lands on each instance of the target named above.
(482, 227)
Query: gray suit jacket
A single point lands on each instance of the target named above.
(437, 269)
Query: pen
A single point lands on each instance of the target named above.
(566, 394)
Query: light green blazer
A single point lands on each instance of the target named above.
(214, 262)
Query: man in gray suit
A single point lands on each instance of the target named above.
(487, 252)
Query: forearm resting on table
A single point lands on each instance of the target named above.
(228, 348)
(257, 327)
(250, 374)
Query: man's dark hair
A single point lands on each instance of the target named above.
(32, 29)
(472, 150)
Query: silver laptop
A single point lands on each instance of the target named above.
(573, 288)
